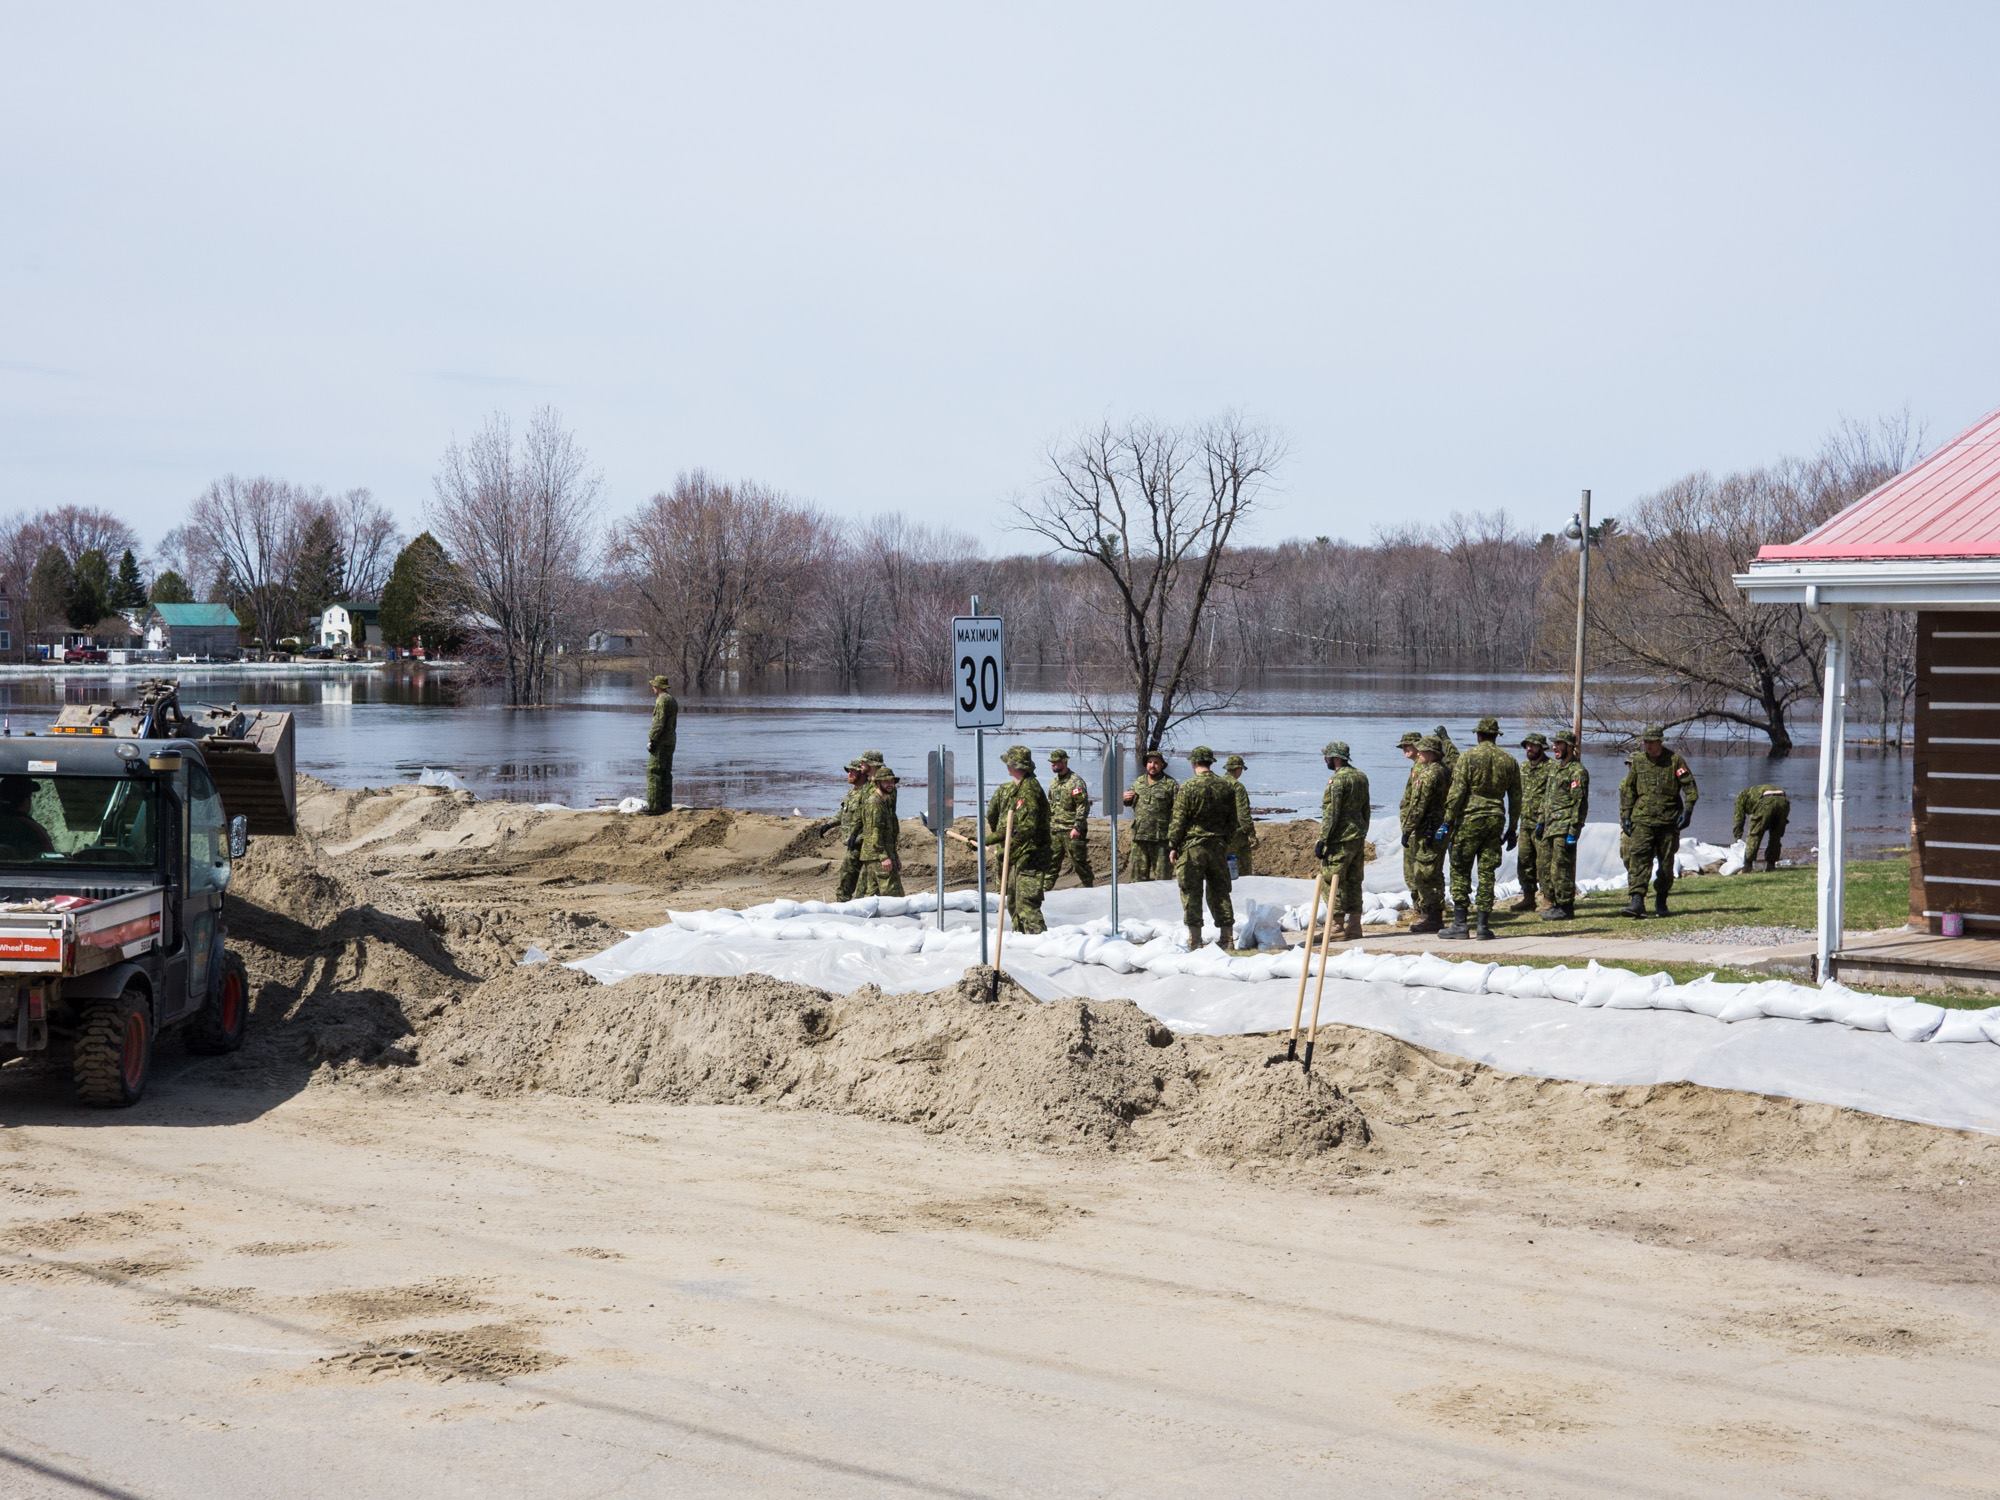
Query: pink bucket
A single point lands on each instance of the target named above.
(1952, 924)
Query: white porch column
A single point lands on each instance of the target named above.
(1833, 791)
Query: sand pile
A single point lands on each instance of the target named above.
(1014, 1071)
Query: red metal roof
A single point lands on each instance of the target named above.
(1947, 506)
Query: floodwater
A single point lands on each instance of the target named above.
(778, 746)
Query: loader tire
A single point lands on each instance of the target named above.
(113, 1052)
(218, 1026)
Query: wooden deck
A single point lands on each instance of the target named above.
(1921, 961)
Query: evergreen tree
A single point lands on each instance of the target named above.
(90, 591)
(129, 590)
(416, 600)
(321, 570)
(171, 588)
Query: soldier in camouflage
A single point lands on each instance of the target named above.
(1535, 769)
(1198, 837)
(1029, 859)
(1482, 818)
(1243, 848)
(1343, 835)
(1422, 812)
(850, 830)
(881, 867)
(1448, 753)
(1565, 809)
(1152, 804)
(1655, 804)
(1764, 811)
(1069, 820)
(660, 748)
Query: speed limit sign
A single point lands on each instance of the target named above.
(978, 672)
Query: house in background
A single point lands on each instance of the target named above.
(610, 642)
(194, 630)
(341, 626)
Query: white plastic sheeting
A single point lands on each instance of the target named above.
(1592, 1024)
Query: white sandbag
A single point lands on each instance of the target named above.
(1635, 991)
(1567, 984)
(1467, 978)
(1962, 1026)
(1914, 1020)
(631, 805)
(1517, 979)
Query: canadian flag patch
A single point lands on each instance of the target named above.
(1680, 770)
(1574, 785)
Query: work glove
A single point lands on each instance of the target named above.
(1540, 830)
(1686, 819)
(1319, 849)
(1625, 827)
(854, 840)
(1511, 840)
(1409, 837)
(1443, 835)
(1569, 840)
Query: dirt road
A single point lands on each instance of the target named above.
(330, 1293)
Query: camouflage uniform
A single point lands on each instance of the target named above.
(1031, 863)
(1152, 811)
(1343, 835)
(850, 831)
(880, 833)
(660, 748)
(1764, 810)
(1483, 811)
(1423, 856)
(1655, 802)
(1535, 772)
(1069, 813)
(1565, 809)
(1242, 848)
(1448, 754)
(1198, 835)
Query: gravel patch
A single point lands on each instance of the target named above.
(1741, 937)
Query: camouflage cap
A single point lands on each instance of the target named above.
(1566, 737)
(873, 757)
(1411, 740)
(1652, 732)
(1234, 763)
(1156, 755)
(1536, 738)
(857, 764)
(1059, 755)
(1332, 748)
(882, 774)
(1487, 725)
(659, 684)
(1018, 755)
(1430, 742)
(1201, 755)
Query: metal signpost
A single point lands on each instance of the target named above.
(938, 811)
(979, 703)
(1113, 797)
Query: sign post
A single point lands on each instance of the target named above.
(938, 812)
(1113, 797)
(979, 703)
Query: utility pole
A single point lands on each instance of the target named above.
(1580, 529)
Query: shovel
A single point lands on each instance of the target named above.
(1305, 968)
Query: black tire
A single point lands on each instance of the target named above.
(219, 1025)
(113, 1052)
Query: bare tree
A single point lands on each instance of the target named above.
(369, 541)
(251, 528)
(1154, 508)
(519, 524)
(78, 529)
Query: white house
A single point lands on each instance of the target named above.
(343, 625)
(614, 642)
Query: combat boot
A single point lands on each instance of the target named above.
(1525, 904)
(1353, 928)
(1660, 906)
(1458, 930)
(1636, 907)
(1558, 914)
(1483, 930)
(1428, 920)
(1227, 939)
(1194, 939)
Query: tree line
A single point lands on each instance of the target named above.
(1138, 565)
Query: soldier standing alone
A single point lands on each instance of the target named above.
(1423, 855)
(660, 748)
(1764, 810)
(850, 830)
(881, 866)
(1028, 858)
(1198, 838)
(1655, 803)
(1243, 848)
(1482, 818)
(1069, 820)
(1565, 809)
(1535, 770)
(1152, 804)
(1343, 835)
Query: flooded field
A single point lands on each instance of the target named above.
(778, 745)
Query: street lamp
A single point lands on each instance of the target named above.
(1578, 531)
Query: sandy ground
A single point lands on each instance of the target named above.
(451, 1227)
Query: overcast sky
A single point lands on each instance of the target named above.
(879, 255)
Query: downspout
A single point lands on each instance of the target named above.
(1832, 785)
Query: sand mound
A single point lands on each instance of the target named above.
(1013, 1071)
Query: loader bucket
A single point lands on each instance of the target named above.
(254, 772)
